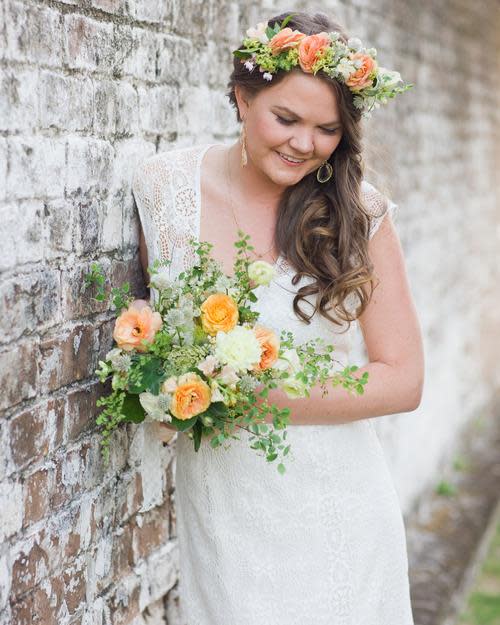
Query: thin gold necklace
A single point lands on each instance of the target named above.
(234, 214)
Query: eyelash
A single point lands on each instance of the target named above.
(287, 122)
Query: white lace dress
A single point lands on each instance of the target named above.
(323, 544)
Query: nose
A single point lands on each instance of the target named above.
(302, 143)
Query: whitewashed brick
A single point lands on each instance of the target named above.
(58, 226)
(127, 110)
(148, 10)
(66, 103)
(18, 102)
(3, 168)
(12, 509)
(116, 7)
(159, 109)
(33, 33)
(140, 59)
(88, 44)
(21, 233)
(36, 166)
(89, 164)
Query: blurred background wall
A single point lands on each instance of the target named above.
(88, 88)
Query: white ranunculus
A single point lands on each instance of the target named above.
(354, 43)
(161, 280)
(261, 272)
(388, 78)
(238, 348)
(294, 388)
(258, 33)
(156, 406)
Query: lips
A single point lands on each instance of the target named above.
(287, 161)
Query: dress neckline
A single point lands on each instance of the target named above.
(280, 265)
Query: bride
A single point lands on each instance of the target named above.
(323, 544)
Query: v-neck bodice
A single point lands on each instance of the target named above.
(280, 265)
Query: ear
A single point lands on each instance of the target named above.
(242, 100)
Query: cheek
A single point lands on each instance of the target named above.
(268, 130)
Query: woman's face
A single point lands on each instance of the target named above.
(298, 117)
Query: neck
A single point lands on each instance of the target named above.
(251, 182)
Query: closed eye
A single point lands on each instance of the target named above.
(287, 122)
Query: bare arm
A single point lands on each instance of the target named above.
(394, 345)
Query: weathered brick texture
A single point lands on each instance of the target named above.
(88, 88)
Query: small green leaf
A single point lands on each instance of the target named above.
(281, 468)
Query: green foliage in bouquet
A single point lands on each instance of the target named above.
(197, 358)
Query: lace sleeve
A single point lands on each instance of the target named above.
(377, 205)
(151, 187)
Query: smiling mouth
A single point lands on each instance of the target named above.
(289, 159)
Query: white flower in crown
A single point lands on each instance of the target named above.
(354, 43)
(388, 78)
(258, 33)
(249, 65)
(267, 76)
(345, 68)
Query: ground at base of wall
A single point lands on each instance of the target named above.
(449, 530)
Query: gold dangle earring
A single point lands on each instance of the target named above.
(329, 171)
(243, 136)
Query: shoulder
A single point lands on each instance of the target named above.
(165, 162)
(377, 205)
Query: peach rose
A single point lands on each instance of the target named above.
(362, 77)
(136, 324)
(219, 312)
(191, 397)
(270, 346)
(285, 39)
(311, 48)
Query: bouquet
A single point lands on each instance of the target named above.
(197, 357)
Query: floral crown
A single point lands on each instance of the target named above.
(281, 48)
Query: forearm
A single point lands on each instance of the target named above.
(389, 390)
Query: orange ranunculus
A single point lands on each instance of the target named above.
(136, 324)
(219, 312)
(311, 48)
(285, 39)
(191, 397)
(362, 77)
(270, 346)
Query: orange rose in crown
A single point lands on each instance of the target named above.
(363, 76)
(270, 346)
(310, 50)
(219, 312)
(136, 324)
(284, 40)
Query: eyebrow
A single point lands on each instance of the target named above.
(287, 110)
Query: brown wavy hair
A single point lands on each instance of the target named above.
(322, 228)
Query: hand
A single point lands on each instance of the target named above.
(164, 431)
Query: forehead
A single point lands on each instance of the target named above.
(307, 95)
